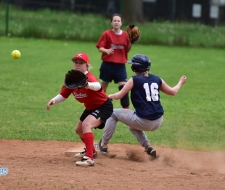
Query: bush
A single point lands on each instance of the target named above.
(50, 24)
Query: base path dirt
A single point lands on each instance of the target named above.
(43, 165)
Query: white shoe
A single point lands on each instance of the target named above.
(82, 154)
(85, 161)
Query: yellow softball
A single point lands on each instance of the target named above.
(16, 54)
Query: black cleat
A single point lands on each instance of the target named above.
(103, 149)
(150, 151)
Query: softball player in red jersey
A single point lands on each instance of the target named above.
(114, 44)
(98, 108)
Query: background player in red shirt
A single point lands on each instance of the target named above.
(114, 44)
(98, 108)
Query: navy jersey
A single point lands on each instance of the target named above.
(145, 96)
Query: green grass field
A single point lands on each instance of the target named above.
(194, 118)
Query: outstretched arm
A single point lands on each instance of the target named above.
(57, 99)
(127, 87)
(94, 86)
(172, 90)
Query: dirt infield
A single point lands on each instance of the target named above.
(43, 165)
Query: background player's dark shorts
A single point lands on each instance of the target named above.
(104, 112)
(112, 71)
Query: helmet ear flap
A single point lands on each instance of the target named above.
(133, 68)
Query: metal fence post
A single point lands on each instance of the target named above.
(7, 17)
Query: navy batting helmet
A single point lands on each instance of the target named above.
(140, 63)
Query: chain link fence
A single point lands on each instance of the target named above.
(210, 12)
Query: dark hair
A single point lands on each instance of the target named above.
(115, 14)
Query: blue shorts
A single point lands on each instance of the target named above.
(113, 72)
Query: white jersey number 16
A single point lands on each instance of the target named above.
(154, 95)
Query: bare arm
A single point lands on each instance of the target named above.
(172, 90)
(129, 47)
(127, 87)
(57, 99)
(107, 51)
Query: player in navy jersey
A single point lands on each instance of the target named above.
(114, 44)
(145, 97)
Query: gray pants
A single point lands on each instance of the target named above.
(136, 125)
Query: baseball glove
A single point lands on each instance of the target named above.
(133, 33)
(75, 79)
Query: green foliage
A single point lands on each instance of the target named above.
(194, 118)
(183, 34)
(48, 24)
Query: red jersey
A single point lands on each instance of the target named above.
(119, 43)
(90, 98)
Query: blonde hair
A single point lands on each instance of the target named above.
(89, 66)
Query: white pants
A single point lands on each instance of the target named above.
(136, 125)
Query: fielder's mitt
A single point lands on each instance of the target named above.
(75, 79)
(133, 33)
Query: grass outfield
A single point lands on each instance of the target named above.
(194, 118)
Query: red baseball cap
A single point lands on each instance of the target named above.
(81, 56)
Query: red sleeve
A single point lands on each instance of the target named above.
(65, 92)
(91, 77)
(102, 41)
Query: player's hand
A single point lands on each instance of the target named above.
(110, 51)
(110, 96)
(49, 104)
(183, 79)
